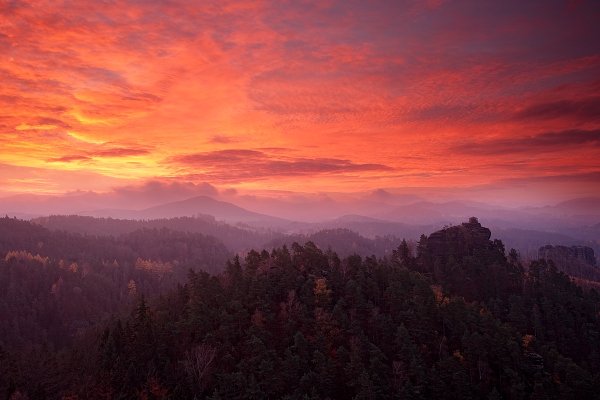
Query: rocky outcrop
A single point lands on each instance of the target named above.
(564, 256)
(459, 241)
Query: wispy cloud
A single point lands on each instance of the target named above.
(587, 109)
(223, 139)
(114, 152)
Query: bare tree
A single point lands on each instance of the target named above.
(198, 360)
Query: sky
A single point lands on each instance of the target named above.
(498, 101)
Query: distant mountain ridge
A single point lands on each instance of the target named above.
(221, 210)
(193, 207)
(577, 219)
(580, 206)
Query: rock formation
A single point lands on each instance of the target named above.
(564, 256)
(459, 241)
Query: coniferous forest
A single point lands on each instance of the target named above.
(160, 314)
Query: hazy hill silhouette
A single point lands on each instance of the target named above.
(579, 206)
(221, 210)
(235, 238)
(344, 241)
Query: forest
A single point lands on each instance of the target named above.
(155, 313)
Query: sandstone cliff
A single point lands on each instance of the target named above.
(459, 241)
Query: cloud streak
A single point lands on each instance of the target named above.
(585, 109)
(114, 152)
(546, 142)
(237, 165)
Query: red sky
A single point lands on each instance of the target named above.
(301, 97)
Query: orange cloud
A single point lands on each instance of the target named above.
(384, 94)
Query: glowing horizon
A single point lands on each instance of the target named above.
(303, 97)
